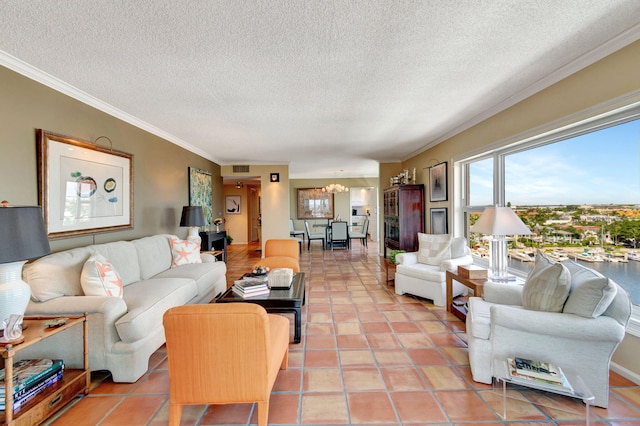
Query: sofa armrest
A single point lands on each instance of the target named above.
(452, 264)
(407, 258)
(566, 326)
(502, 293)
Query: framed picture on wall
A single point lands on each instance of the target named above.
(84, 188)
(313, 203)
(439, 221)
(200, 193)
(438, 182)
(232, 204)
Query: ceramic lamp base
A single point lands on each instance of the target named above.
(14, 293)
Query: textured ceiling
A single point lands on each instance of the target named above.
(322, 85)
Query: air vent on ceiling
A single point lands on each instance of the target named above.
(240, 169)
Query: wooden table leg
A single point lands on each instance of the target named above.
(449, 280)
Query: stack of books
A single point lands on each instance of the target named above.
(250, 286)
(30, 377)
(539, 374)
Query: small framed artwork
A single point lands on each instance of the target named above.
(84, 188)
(438, 182)
(439, 221)
(274, 177)
(232, 204)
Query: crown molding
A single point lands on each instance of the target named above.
(605, 49)
(58, 85)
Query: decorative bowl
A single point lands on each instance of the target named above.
(260, 270)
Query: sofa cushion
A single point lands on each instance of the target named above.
(148, 300)
(547, 285)
(433, 248)
(123, 257)
(422, 272)
(154, 254)
(202, 273)
(184, 252)
(99, 278)
(591, 292)
(57, 274)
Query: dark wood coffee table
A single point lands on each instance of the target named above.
(277, 301)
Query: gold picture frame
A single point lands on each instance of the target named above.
(83, 188)
(313, 203)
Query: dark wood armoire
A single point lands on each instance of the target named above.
(403, 217)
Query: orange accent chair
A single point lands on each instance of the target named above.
(224, 353)
(281, 254)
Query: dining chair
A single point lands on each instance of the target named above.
(339, 234)
(360, 235)
(314, 236)
(295, 232)
(224, 353)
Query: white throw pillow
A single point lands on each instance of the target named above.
(99, 278)
(433, 248)
(184, 252)
(547, 285)
(591, 292)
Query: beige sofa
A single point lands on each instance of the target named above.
(123, 332)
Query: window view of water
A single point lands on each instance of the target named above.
(577, 191)
(627, 275)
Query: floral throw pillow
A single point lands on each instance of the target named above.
(99, 278)
(184, 252)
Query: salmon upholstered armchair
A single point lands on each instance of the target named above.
(281, 254)
(224, 353)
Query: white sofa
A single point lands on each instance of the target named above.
(422, 273)
(580, 333)
(123, 332)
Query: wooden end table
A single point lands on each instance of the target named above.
(474, 284)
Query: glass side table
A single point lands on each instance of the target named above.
(502, 379)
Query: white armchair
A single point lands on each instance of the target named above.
(422, 273)
(581, 337)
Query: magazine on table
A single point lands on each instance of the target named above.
(542, 379)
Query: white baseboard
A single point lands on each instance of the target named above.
(626, 373)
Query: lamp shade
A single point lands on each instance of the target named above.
(192, 216)
(22, 234)
(500, 221)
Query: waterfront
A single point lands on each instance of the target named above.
(627, 275)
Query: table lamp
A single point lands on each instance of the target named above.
(22, 237)
(499, 222)
(192, 217)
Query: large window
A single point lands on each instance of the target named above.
(577, 188)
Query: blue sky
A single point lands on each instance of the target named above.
(602, 167)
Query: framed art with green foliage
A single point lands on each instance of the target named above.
(200, 192)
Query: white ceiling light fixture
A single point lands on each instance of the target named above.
(335, 188)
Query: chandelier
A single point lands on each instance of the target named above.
(335, 188)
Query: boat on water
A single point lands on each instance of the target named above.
(522, 256)
(633, 255)
(611, 259)
(558, 255)
(589, 257)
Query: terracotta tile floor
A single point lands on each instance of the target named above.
(367, 357)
